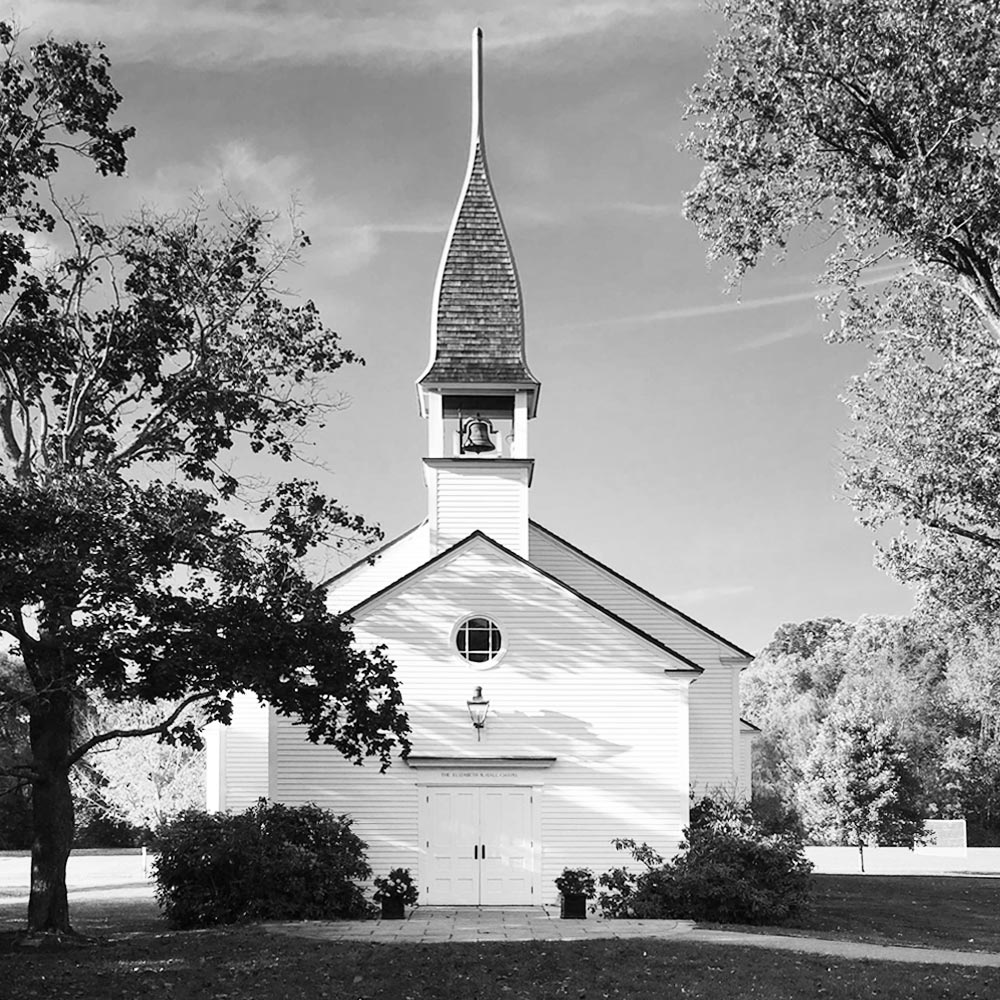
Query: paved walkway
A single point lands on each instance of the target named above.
(429, 925)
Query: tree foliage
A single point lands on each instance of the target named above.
(923, 448)
(939, 688)
(140, 782)
(875, 121)
(874, 126)
(136, 367)
(59, 99)
(864, 777)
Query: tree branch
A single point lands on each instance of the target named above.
(954, 529)
(115, 734)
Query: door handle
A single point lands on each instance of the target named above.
(475, 853)
(484, 852)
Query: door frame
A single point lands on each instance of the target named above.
(536, 852)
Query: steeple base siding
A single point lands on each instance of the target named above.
(489, 495)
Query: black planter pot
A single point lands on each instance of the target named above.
(392, 909)
(573, 906)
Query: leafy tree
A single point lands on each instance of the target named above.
(129, 372)
(922, 449)
(863, 772)
(801, 639)
(874, 121)
(874, 126)
(904, 670)
(138, 782)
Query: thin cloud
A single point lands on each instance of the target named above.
(240, 171)
(642, 208)
(398, 228)
(726, 308)
(701, 594)
(777, 336)
(226, 34)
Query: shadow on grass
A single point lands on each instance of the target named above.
(250, 964)
(95, 917)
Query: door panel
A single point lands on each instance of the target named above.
(459, 825)
(452, 831)
(505, 831)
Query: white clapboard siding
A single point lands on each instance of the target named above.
(714, 696)
(571, 684)
(488, 498)
(391, 561)
(747, 735)
(244, 754)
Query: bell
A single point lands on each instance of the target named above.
(476, 435)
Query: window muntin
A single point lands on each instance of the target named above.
(479, 639)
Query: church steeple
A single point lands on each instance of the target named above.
(477, 392)
(477, 324)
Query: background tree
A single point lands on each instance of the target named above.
(874, 125)
(139, 783)
(875, 122)
(863, 773)
(15, 799)
(939, 687)
(923, 450)
(130, 370)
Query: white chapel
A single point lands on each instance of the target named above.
(554, 704)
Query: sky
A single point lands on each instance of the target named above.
(687, 436)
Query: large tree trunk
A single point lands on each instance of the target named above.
(51, 726)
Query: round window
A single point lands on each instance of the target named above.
(478, 639)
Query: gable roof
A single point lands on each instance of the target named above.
(689, 665)
(641, 590)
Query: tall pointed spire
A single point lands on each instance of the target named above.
(477, 86)
(477, 327)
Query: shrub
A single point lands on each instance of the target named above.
(98, 829)
(727, 870)
(397, 885)
(271, 862)
(576, 882)
(647, 894)
(774, 815)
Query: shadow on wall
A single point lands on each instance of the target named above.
(548, 632)
(446, 730)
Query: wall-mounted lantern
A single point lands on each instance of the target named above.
(478, 707)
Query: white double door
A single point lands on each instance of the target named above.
(478, 845)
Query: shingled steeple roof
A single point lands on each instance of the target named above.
(477, 328)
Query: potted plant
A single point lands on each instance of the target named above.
(576, 886)
(394, 891)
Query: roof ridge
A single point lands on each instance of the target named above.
(642, 590)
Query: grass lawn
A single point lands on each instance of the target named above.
(249, 964)
(932, 911)
(141, 958)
